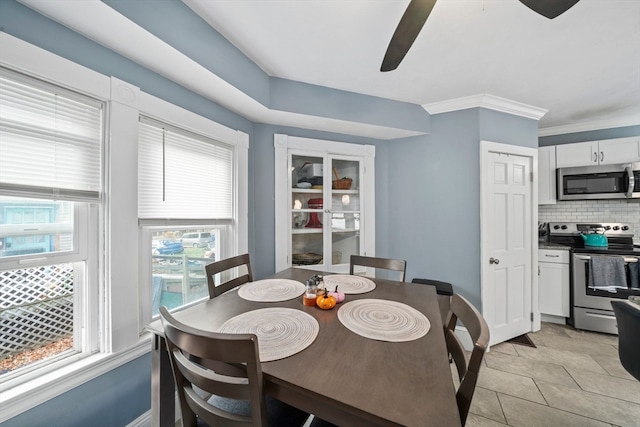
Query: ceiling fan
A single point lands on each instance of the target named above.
(418, 11)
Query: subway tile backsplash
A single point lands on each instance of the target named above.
(626, 211)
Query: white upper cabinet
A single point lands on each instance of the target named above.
(611, 151)
(578, 154)
(622, 150)
(325, 210)
(547, 175)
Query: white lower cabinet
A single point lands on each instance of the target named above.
(553, 282)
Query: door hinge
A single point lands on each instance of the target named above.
(531, 176)
(531, 317)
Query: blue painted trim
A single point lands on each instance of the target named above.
(594, 135)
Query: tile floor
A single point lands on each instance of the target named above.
(572, 378)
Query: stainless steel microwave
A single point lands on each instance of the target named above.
(619, 181)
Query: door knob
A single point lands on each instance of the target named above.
(493, 260)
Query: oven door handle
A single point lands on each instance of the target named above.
(600, 316)
(588, 258)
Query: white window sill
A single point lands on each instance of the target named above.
(27, 395)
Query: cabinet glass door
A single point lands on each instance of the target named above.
(324, 203)
(307, 210)
(345, 209)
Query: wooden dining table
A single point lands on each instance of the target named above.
(341, 377)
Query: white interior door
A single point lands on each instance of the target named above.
(507, 252)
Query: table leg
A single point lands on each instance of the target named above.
(162, 385)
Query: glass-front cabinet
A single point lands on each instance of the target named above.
(324, 203)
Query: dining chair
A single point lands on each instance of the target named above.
(228, 278)
(382, 263)
(476, 326)
(232, 397)
(628, 320)
(444, 290)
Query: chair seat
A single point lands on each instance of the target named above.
(279, 413)
(317, 422)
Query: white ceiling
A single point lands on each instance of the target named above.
(583, 66)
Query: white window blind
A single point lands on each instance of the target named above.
(182, 175)
(50, 140)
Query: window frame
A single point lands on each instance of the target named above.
(86, 330)
(87, 207)
(236, 242)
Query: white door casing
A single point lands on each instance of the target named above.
(508, 256)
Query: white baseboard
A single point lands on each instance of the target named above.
(553, 319)
(143, 420)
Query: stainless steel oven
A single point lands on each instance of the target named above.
(592, 301)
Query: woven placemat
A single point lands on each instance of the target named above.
(271, 290)
(349, 284)
(281, 332)
(383, 320)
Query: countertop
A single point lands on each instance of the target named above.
(547, 245)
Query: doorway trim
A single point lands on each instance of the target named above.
(486, 148)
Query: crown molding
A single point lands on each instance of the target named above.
(485, 100)
(591, 126)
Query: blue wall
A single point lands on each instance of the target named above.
(113, 399)
(434, 195)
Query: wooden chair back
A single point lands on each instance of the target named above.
(628, 320)
(228, 278)
(382, 263)
(477, 327)
(189, 347)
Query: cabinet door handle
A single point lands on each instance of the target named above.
(552, 256)
(595, 157)
(602, 156)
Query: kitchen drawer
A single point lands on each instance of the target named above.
(553, 255)
(591, 319)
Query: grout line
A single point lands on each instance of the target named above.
(502, 409)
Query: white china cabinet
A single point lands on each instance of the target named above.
(324, 205)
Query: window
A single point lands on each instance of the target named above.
(50, 187)
(186, 210)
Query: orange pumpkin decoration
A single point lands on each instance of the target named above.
(326, 301)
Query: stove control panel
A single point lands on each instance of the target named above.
(573, 228)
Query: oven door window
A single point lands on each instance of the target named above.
(603, 290)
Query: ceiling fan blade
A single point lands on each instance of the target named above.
(410, 25)
(549, 8)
